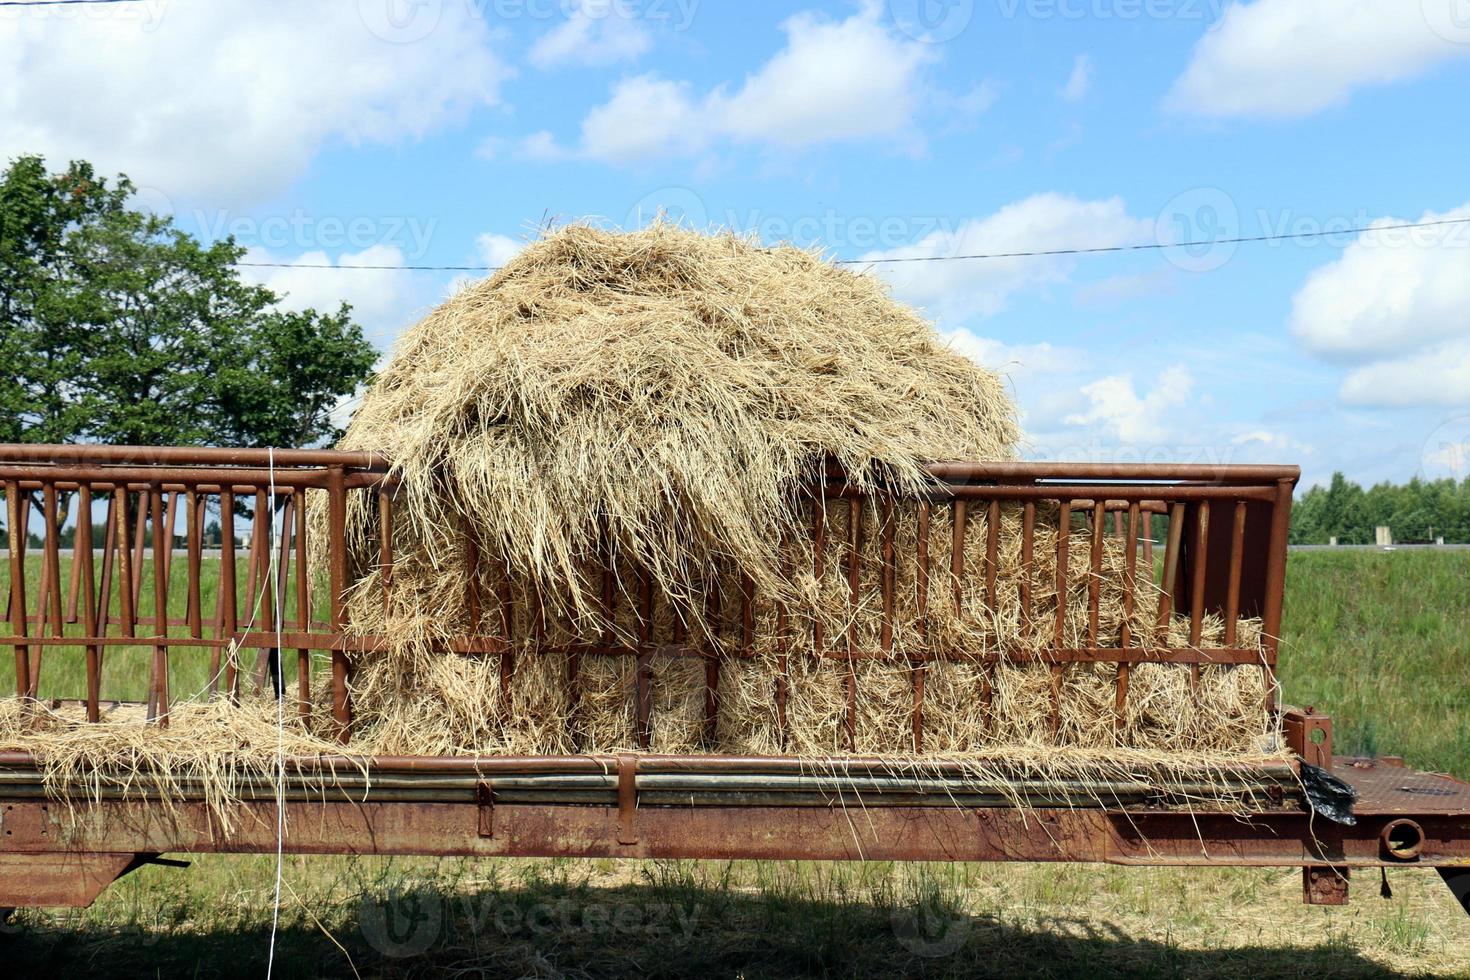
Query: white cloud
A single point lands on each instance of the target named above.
(1080, 81)
(1012, 359)
(834, 80)
(232, 98)
(1438, 375)
(595, 34)
(961, 289)
(493, 250)
(382, 300)
(1395, 306)
(1117, 406)
(1295, 57)
(647, 117)
(496, 250)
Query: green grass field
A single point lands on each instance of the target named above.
(1381, 641)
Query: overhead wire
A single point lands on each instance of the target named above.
(897, 259)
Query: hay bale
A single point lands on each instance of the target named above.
(646, 409)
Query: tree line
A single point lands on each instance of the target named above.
(1417, 512)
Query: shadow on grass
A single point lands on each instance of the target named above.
(644, 930)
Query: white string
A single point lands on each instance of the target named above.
(279, 683)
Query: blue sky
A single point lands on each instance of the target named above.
(444, 132)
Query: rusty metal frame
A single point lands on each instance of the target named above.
(1226, 552)
(1240, 575)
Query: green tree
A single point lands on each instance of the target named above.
(120, 328)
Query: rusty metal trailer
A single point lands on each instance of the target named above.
(1224, 553)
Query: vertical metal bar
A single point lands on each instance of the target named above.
(645, 659)
(170, 521)
(888, 573)
(53, 581)
(1237, 559)
(104, 591)
(1094, 580)
(159, 679)
(1171, 568)
(1199, 561)
(919, 659)
(140, 538)
(1275, 584)
(783, 659)
(337, 549)
(854, 572)
(43, 594)
(194, 518)
(82, 559)
(275, 668)
(25, 525)
(258, 549)
(1148, 544)
(18, 624)
(507, 656)
(1064, 529)
(1028, 545)
(713, 615)
(385, 548)
(76, 570)
(992, 551)
(128, 607)
(1130, 586)
(229, 604)
(819, 567)
(957, 554)
(921, 576)
(303, 609)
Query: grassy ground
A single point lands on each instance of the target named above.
(1379, 640)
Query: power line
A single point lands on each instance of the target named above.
(1033, 253)
(1159, 245)
(56, 3)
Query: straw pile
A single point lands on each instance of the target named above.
(652, 409)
